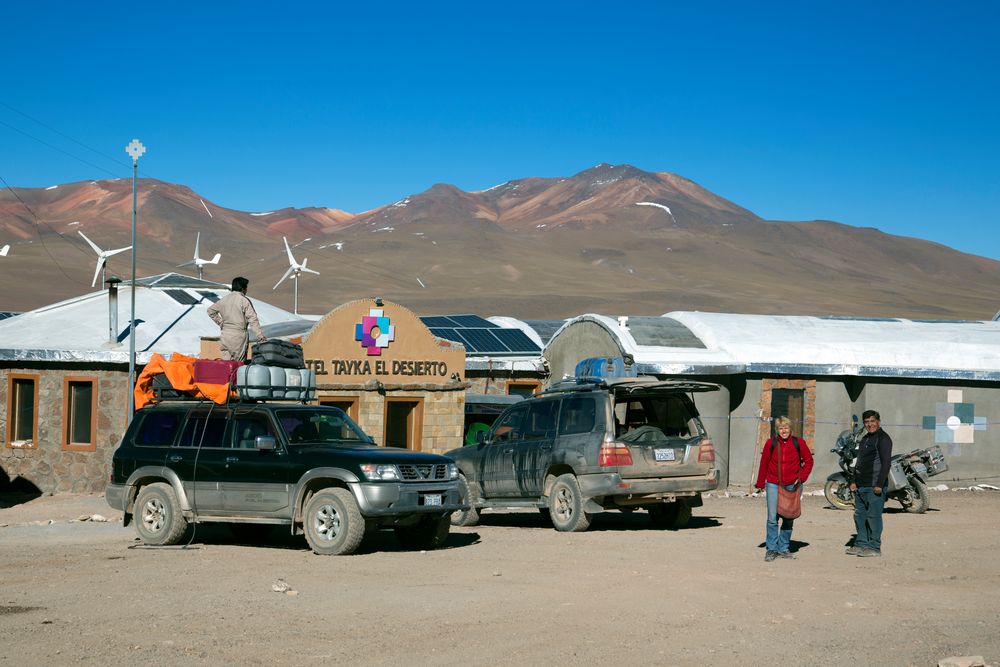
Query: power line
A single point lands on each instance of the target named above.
(56, 148)
(41, 239)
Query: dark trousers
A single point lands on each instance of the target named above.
(868, 518)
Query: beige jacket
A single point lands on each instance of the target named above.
(234, 314)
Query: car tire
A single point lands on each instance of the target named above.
(469, 517)
(429, 533)
(158, 518)
(333, 523)
(566, 506)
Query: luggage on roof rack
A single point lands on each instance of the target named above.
(261, 382)
(277, 352)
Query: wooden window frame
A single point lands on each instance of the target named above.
(9, 439)
(416, 427)
(352, 411)
(536, 386)
(67, 445)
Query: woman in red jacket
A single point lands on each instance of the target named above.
(796, 463)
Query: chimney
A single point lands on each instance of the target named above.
(113, 309)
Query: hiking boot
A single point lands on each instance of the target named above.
(770, 556)
(870, 553)
(788, 555)
(853, 550)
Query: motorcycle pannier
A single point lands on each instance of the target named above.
(897, 478)
(936, 462)
(277, 352)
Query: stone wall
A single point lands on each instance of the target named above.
(47, 464)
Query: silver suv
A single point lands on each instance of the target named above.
(589, 445)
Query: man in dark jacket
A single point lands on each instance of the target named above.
(869, 486)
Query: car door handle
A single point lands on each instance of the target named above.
(232, 459)
(175, 458)
(508, 450)
(546, 447)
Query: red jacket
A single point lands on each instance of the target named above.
(791, 467)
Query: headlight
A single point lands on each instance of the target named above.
(452, 471)
(380, 473)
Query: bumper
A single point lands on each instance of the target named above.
(115, 495)
(602, 485)
(380, 499)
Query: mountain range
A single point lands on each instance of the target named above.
(612, 239)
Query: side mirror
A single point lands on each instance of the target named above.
(480, 437)
(265, 443)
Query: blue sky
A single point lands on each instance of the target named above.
(875, 114)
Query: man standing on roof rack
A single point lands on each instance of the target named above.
(234, 314)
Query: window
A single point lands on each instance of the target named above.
(22, 410)
(508, 426)
(541, 420)
(158, 429)
(205, 430)
(403, 423)
(247, 427)
(80, 414)
(788, 403)
(579, 415)
(312, 425)
(524, 388)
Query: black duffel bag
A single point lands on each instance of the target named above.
(276, 352)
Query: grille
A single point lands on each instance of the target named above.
(423, 472)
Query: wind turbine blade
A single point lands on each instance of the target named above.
(97, 270)
(92, 244)
(192, 262)
(310, 271)
(291, 260)
(115, 252)
(197, 239)
(4, 250)
(289, 271)
(215, 260)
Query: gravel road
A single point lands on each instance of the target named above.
(510, 591)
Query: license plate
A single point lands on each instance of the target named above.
(432, 499)
(664, 455)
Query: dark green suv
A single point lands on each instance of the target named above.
(304, 466)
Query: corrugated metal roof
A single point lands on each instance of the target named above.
(802, 345)
(78, 329)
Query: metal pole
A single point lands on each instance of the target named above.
(131, 323)
(135, 149)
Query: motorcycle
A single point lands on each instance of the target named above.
(908, 473)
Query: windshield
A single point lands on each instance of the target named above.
(318, 425)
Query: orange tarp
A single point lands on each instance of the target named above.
(180, 371)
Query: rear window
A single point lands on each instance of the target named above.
(674, 416)
(158, 429)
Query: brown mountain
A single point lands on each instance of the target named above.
(611, 239)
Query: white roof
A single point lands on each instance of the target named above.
(887, 347)
(77, 330)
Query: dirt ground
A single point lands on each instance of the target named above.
(507, 592)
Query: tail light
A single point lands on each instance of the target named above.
(614, 454)
(706, 452)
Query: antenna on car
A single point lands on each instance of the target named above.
(198, 261)
(294, 270)
(102, 258)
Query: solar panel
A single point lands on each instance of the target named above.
(481, 341)
(432, 321)
(181, 297)
(516, 340)
(211, 296)
(447, 334)
(472, 322)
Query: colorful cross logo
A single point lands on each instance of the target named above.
(374, 332)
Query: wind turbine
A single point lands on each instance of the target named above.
(4, 250)
(294, 270)
(198, 261)
(102, 257)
